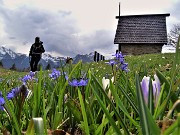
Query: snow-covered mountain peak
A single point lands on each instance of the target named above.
(47, 57)
(5, 51)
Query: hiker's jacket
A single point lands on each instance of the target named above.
(36, 49)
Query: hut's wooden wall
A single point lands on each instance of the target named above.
(138, 49)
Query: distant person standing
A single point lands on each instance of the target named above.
(35, 53)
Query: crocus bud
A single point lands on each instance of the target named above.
(106, 83)
(145, 88)
(156, 88)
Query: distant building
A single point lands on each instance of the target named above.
(141, 34)
(168, 49)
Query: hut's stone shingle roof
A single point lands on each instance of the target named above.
(141, 29)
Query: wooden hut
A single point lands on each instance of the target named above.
(141, 34)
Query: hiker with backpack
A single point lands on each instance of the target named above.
(35, 53)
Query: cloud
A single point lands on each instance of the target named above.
(58, 31)
(174, 15)
(55, 29)
(101, 40)
(175, 11)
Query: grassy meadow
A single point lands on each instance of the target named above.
(75, 100)
(163, 62)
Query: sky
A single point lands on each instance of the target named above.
(70, 27)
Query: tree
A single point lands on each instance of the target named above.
(48, 67)
(39, 67)
(173, 35)
(1, 64)
(13, 67)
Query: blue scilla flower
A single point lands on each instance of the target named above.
(32, 74)
(121, 60)
(81, 82)
(2, 101)
(111, 62)
(23, 91)
(13, 93)
(66, 77)
(28, 77)
(55, 74)
(119, 57)
(1, 108)
(124, 67)
(74, 82)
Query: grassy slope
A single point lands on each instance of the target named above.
(163, 62)
(6, 73)
(136, 63)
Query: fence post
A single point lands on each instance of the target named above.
(103, 58)
(95, 56)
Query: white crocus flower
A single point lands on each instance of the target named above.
(106, 83)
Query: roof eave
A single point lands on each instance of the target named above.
(167, 14)
(140, 42)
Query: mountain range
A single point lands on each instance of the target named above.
(21, 61)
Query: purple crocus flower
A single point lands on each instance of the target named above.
(55, 74)
(145, 88)
(156, 88)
